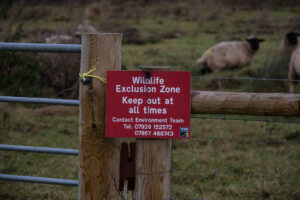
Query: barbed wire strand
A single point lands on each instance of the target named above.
(185, 198)
(245, 119)
(265, 141)
(293, 179)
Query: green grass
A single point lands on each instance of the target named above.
(233, 148)
(236, 151)
(26, 126)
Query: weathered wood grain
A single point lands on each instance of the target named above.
(153, 165)
(265, 104)
(98, 156)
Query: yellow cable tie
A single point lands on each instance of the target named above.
(83, 75)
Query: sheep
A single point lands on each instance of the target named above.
(289, 43)
(287, 54)
(85, 27)
(229, 55)
(61, 39)
(294, 69)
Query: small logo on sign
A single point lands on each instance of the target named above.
(184, 132)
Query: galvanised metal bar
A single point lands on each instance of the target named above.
(64, 102)
(33, 179)
(39, 47)
(6, 147)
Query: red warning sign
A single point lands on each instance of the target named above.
(153, 105)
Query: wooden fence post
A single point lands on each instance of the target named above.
(98, 156)
(153, 165)
(264, 104)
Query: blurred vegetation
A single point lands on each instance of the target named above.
(155, 32)
(170, 33)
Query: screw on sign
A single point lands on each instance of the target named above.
(155, 106)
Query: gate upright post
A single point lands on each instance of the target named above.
(99, 157)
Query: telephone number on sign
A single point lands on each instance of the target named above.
(142, 133)
(156, 127)
(163, 133)
(155, 133)
(162, 127)
(142, 126)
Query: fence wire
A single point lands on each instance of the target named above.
(243, 78)
(244, 119)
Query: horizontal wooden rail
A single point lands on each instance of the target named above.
(266, 104)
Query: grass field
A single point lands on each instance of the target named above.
(239, 151)
(225, 159)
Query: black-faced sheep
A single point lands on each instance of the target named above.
(289, 43)
(289, 53)
(229, 55)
